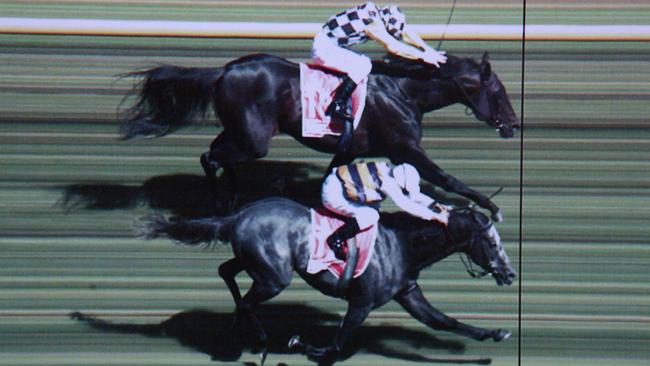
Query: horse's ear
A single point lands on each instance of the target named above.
(486, 68)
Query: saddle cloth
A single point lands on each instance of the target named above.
(316, 92)
(323, 223)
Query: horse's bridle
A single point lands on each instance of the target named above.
(483, 101)
(458, 248)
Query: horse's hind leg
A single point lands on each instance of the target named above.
(413, 301)
(247, 136)
(264, 287)
(223, 152)
(228, 270)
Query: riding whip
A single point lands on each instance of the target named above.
(444, 33)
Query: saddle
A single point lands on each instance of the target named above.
(317, 85)
(324, 223)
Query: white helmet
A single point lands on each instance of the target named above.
(407, 177)
(394, 20)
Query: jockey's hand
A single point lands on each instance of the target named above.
(440, 208)
(434, 57)
(441, 218)
(441, 213)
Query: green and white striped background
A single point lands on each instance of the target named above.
(585, 282)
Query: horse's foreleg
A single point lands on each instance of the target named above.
(431, 172)
(414, 302)
(328, 355)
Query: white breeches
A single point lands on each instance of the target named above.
(334, 199)
(326, 53)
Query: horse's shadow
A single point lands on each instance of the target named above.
(215, 334)
(188, 195)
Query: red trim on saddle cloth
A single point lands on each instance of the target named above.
(316, 90)
(323, 223)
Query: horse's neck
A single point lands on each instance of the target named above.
(430, 95)
(424, 250)
(429, 89)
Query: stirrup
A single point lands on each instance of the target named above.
(340, 110)
(339, 248)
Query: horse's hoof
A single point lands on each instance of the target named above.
(497, 216)
(294, 342)
(208, 169)
(263, 356)
(501, 335)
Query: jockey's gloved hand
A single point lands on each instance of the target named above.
(442, 218)
(441, 213)
(433, 57)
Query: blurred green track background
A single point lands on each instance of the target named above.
(584, 290)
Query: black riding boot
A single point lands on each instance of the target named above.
(338, 108)
(336, 241)
(342, 154)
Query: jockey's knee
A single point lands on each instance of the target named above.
(367, 218)
(360, 70)
(332, 193)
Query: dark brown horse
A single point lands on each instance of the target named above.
(258, 96)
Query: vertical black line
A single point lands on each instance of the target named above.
(521, 178)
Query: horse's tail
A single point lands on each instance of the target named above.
(186, 231)
(169, 98)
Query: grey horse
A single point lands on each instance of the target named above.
(269, 240)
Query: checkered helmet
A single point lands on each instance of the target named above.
(394, 20)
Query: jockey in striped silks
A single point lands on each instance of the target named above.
(355, 191)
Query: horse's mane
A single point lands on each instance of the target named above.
(411, 226)
(400, 221)
(403, 221)
(415, 227)
(392, 65)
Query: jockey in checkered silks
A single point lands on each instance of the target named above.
(387, 26)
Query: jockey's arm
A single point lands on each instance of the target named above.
(412, 38)
(378, 32)
(408, 204)
(421, 198)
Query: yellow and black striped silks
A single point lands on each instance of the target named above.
(362, 181)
